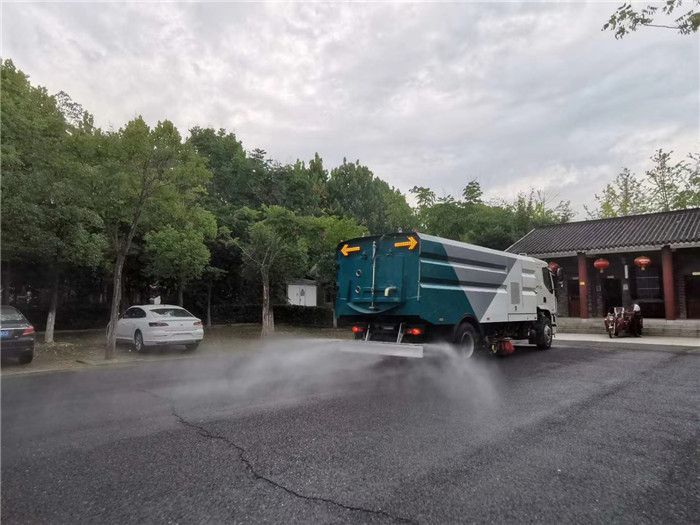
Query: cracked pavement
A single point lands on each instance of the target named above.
(300, 434)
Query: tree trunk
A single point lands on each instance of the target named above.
(268, 322)
(114, 312)
(335, 319)
(125, 299)
(6, 285)
(51, 318)
(209, 286)
(180, 293)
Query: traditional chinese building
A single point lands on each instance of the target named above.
(652, 260)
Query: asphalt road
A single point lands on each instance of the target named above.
(301, 434)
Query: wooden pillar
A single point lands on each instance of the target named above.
(583, 285)
(669, 292)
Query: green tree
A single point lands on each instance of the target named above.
(229, 165)
(627, 19)
(323, 235)
(354, 192)
(690, 195)
(180, 255)
(148, 176)
(491, 225)
(472, 192)
(398, 215)
(624, 196)
(425, 199)
(211, 275)
(273, 251)
(47, 215)
(446, 218)
(666, 182)
(319, 179)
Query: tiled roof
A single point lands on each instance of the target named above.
(675, 228)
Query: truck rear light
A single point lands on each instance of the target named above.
(198, 323)
(28, 331)
(414, 331)
(157, 324)
(358, 329)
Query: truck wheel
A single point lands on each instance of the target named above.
(467, 340)
(544, 333)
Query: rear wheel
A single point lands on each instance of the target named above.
(467, 340)
(138, 341)
(192, 347)
(545, 334)
(26, 358)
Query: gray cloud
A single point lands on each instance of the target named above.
(517, 95)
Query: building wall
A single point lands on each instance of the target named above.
(644, 287)
(685, 263)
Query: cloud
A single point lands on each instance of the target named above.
(517, 95)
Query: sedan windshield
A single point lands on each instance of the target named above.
(171, 312)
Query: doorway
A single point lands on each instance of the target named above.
(574, 294)
(692, 296)
(612, 294)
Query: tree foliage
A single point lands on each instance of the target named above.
(354, 192)
(627, 18)
(207, 217)
(273, 251)
(46, 192)
(666, 186)
(179, 255)
(149, 178)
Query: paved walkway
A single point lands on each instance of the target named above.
(644, 340)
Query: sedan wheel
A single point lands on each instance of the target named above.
(26, 358)
(138, 342)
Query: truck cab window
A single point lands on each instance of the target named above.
(547, 278)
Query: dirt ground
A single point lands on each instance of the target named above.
(75, 350)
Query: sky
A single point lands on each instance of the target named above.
(516, 95)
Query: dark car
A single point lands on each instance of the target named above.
(16, 335)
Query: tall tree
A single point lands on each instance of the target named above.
(148, 175)
(690, 196)
(229, 165)
(472, 192)
(180, 255)
(666, 182)
(273, 250)
(47, 212)
(354, 192)
(624, 196)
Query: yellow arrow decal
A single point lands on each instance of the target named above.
(345, 250)
(410, 243)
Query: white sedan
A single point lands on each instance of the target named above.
(159, 324)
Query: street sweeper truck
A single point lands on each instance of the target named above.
(403, 294)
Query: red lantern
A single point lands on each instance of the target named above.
(553, 266)
(642, 261)
(601, 264)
